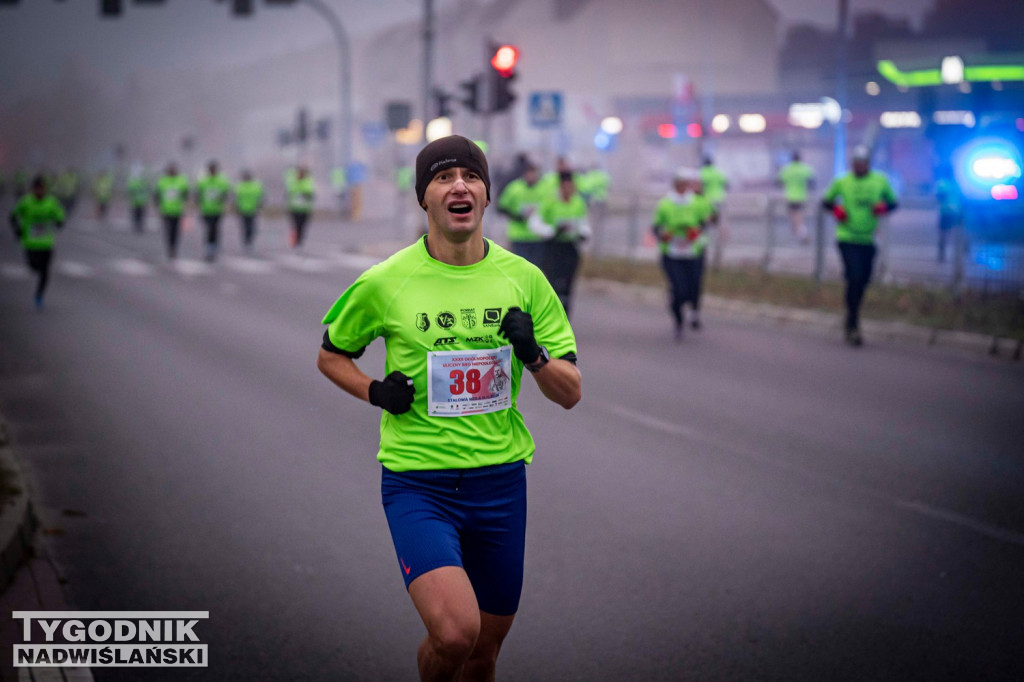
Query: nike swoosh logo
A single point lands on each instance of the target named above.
(406, 568)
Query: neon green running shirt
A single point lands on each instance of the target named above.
(440, 327)
(683, 221)
(795, 177)
(248, 196)
(212, 194)
(714, 182)
(37, 219)
(859, 195)
(517, 198)
(172, 192)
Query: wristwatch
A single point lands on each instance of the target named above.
(542, 360)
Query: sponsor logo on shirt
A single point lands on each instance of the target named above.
(445, 319)
(468, 317)
(492, 317)
(445, 341)
(480, 339)
(422, 322)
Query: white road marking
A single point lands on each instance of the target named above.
(254, 266)
(75, 269)
(191, 268)
(14, 271)
(982, 528)
(304, 263)
(357, 261)
(133, 267)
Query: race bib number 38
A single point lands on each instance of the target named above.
(462, 382)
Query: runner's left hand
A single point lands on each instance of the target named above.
(517, 327)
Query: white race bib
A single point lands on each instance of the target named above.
(680, 247)
(461, 382)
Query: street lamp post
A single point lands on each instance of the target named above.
(345, 82)
(839, 150)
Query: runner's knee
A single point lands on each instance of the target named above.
(455, 636)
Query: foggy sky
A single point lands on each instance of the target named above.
(38, 37)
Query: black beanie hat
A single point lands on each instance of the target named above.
(453, 151)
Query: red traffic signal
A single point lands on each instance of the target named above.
(504, 60)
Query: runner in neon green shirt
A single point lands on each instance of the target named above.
(138, 195)
(518, 202)
(680, 223)
(563, 219)
(65, 188)
(103, 192)
(857, 200)
(715, 183)
(796, 178)
(248, 202)
(212, 191)
(35, 219)
(461, 318)
(171, 197)
(301, 192)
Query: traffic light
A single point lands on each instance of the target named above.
(504, 59)
(110, 8)
(302, 125)
(504, 63)
(472, 99)
(502, 95)
(442, 104)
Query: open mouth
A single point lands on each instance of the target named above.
(460, 208)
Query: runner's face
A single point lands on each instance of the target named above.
(455, 201)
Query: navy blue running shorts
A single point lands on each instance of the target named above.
(472, 518)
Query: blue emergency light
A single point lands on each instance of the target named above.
(985, 167)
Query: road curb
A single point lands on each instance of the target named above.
(891, 331)
(18, 521)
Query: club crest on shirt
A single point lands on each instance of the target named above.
(422, 322)
(468, 317)
(445, 319)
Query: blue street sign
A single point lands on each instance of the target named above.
(357, 173)
(546, 109)
(375, 133)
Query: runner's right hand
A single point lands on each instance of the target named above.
(840, 213)
(394, 394)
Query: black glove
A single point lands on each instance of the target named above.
(517, 327)
(394, 394)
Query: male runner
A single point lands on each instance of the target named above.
(35, 219)
(461, 318)
(857, 200)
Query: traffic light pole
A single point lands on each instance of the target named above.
(428, 62)
(345, 81)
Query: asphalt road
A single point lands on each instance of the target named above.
(755, 503)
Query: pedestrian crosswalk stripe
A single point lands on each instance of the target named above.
(304, 263)
(14, 271)
(74, 269)
(249, 265)
(356, 260)
(132, 266)
(191, 268)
